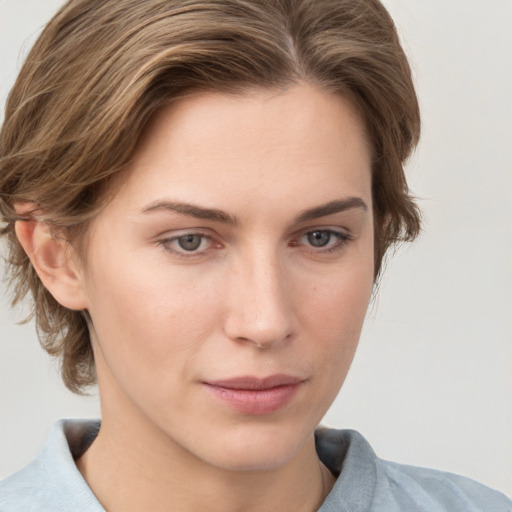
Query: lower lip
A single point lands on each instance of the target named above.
(256, 401)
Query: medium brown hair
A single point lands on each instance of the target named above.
(102, 68)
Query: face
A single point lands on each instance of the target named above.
(228, 279)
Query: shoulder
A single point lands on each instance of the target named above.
(422, 489)
(52, 482)
(27, 490)
(367, 483)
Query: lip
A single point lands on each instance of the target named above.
(256, 396)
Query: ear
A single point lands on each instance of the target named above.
(52, 258)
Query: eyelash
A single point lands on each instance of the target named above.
(183, 253)
(341, 241)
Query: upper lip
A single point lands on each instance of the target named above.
(255, 383)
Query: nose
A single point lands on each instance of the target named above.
(260, 309)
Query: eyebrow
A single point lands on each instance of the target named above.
(192, 211)
(199, 212)
(331, 208)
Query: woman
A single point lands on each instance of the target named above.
(200, 204)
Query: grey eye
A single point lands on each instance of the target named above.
(319, 238)
(190, 242)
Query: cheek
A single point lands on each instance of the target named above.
(338, 301)
(148, 319)
(334, 313)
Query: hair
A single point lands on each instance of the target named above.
(102, 68)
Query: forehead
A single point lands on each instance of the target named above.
(270, 145)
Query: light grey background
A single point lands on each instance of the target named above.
(432, 382)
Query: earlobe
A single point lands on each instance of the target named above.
(53, 261)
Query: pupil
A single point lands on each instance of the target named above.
(319, 238)
(189, 242)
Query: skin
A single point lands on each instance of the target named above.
(257, 297)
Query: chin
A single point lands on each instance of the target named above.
(252, 460)
(257, 449)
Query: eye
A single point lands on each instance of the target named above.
(187, 244)
(323, 240)
(190, 242)
(319, 238)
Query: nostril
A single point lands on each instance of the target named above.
(261, 338)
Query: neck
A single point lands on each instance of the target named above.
(129, 467)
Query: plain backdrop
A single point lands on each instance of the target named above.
(432, 381)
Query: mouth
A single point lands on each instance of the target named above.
(255, 396)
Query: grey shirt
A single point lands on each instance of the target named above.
(365, 483)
